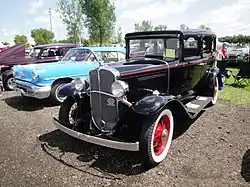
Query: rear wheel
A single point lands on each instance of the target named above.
(156, 137)
(215, 92)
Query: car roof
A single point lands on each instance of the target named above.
(174, 33)
(56, 45)
(102, 49)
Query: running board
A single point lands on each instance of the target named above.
(198, 104)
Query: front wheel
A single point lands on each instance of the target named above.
(55, 96)
(156, 137)
(68, 112)
(8, 83)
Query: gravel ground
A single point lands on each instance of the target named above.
(33, 153)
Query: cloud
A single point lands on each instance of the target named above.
(230, 19)
(41, 19)
(158, 11)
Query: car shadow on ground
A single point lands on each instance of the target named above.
(27, 104)
(245, 166)
(110, 162)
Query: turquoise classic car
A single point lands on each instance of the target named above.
(44, 80)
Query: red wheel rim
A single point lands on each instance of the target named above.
(161, 135)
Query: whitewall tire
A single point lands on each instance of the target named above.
(215, 91)
(156, 137)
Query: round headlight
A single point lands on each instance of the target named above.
(79, 84)
(34, 76)
(119, 88)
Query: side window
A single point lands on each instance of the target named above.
(91, 57)
(191, 43)
(190, 47)
(121, 56)
(59, 52)
(172, 49)
(45, 53)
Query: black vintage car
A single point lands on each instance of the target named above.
(133, 105)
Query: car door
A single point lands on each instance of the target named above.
(194, 62)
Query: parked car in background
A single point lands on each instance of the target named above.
(44, 80)
(39, 54)
(135, 104)
(2, 49)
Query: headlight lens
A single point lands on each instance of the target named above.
(79, 84)
(119, 88)
(35, 76)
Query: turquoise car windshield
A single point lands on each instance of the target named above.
(76, 55)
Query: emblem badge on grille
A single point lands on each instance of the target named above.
(110, 102)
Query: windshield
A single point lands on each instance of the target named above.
(76, 55)
(34, 52)
(142, 47)
(109, 56)
(167, 48)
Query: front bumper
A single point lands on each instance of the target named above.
(96, 140)
(30, 90)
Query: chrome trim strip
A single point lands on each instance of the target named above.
(96, 140)
(70, 76)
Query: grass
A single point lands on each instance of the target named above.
(235, 93)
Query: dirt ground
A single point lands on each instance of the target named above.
(208, 152)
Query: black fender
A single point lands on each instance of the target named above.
(211, 74)
(151, 104)
(67, 90)
(83, 102)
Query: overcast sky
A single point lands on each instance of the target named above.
(224, 17)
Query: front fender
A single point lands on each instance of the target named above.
(67, 90)
(211, 74)
(149, 105)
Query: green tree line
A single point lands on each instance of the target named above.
(236, 39)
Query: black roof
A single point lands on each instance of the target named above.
(174, 33)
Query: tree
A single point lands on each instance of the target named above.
(119, 35)
(5, 43)
(183, 27)
(71, 14)
(161, 28)
(100, 19)
(21, 39)
(42, 36)
(145, 25)
(239, 39)
(204, 27)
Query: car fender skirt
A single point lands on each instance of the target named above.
(151, 104)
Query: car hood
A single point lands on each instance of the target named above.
(53, 70)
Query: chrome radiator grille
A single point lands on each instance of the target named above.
(104, 108)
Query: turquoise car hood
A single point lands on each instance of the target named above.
(52, 71)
